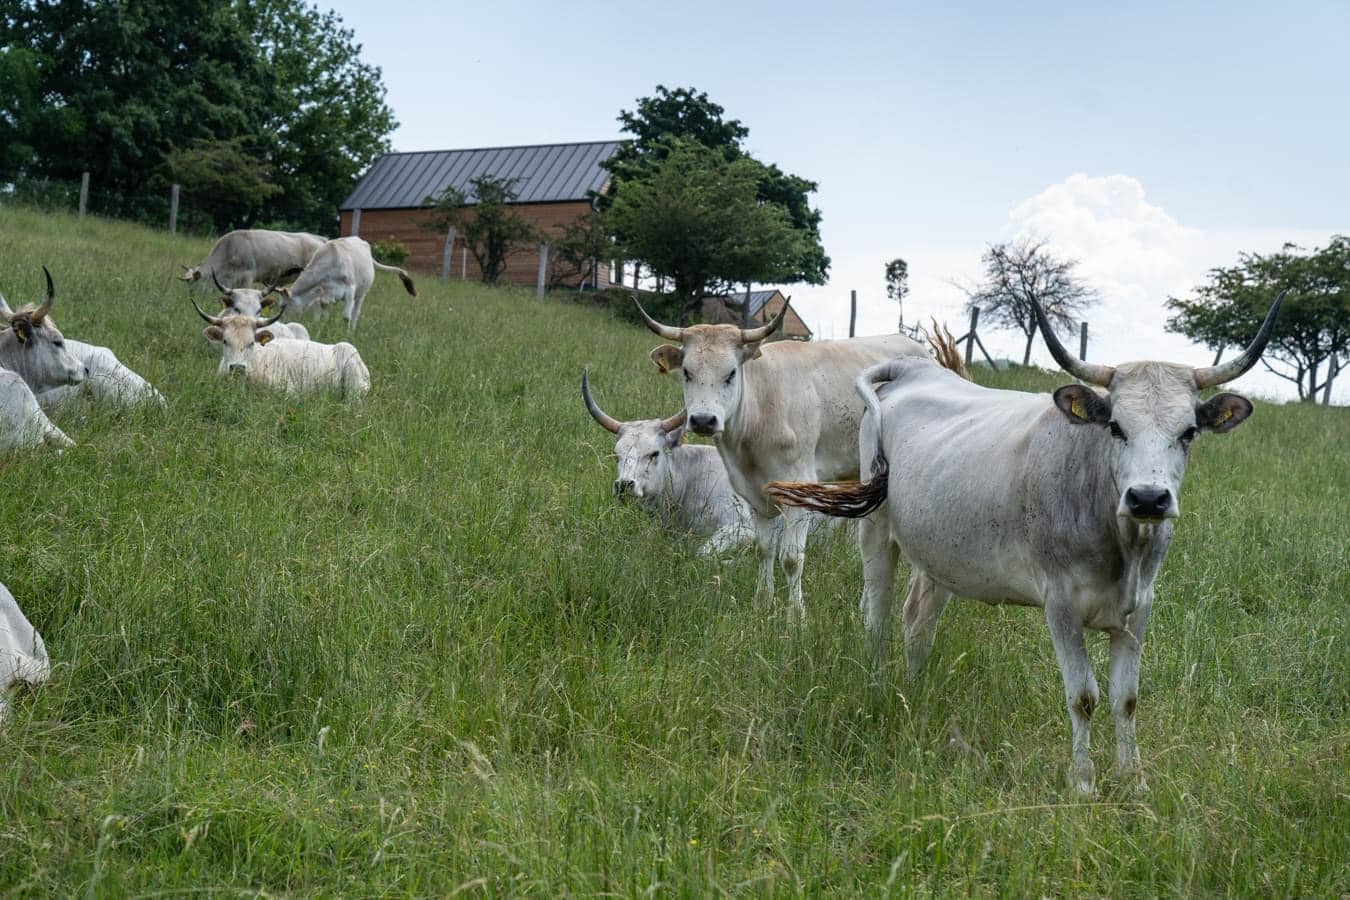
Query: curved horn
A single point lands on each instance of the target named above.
(211, 319)
(1209, 376)
(608, 422)
(221, 287)
(271, 287)
(665, 331)
(753, 335)
(675, 421)
(1083, 371)
(41, 312)
(263, 323)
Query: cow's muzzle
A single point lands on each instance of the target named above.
(624, 487)
(705, 424)
(238, 369)
(1150, 503)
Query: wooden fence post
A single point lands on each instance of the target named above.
(464, 263)
(356, 222)
(543, 271)
(448, 254)
(970, 336)
(852, 311)
(84, 192)
(173, 210)
(745, 310)
(1082, 341)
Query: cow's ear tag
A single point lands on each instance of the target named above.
(264, 337)
(1222, 417)
(21, 335)
(1078, 408)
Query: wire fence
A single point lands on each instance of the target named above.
(158, 206)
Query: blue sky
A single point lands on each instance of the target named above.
(1150, 142)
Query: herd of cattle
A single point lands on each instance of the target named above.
(1065, 502)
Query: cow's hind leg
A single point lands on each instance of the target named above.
(923, 608)
(1080, 688)
(792, 556)
(880, 556)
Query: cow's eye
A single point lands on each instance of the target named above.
(653, 455)
(1116, 432)
(687, 376)
(1189, 435)
(731, 376)
(58, 343)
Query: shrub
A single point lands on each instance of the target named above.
(391, 252)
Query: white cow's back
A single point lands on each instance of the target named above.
(303, 366)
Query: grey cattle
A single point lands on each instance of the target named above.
(253, 254)
(1065, 502)
(342, 270)
(778, 411)
(685, 485)
(32, 346)
(251, 302)
(23, 424)
(23, 656)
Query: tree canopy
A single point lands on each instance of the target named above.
(685, 116)
(695, 218)
(1016, 273)
(1314, 321)
(120, 90)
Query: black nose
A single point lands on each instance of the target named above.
(703, 423)
(623, 486)
(236, 370)
(1148, 502)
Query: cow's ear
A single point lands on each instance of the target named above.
(214, 333)
(23, 330)
(1082, 405)
(668, 358)
(263, 337)
(751, 351)
(1223, 412)
(224, 302)
(674, 437)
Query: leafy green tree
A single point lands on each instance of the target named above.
(1314, 322)
(573, 251)
(225, 179)
(695, 218)
(686, 115)
(491, 228)
(1018, 272)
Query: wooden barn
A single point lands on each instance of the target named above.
(554, 184)
(764, 305)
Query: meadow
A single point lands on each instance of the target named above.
(413, 647)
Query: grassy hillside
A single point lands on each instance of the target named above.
(412, 646)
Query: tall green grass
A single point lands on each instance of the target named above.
(412, 646)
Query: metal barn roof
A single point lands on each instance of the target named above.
(757, 300)
(545, 174)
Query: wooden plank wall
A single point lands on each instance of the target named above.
(425, 247)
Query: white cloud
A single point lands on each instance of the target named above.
(1132, 251)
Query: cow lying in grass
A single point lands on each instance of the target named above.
(248, 348)
(23, 656)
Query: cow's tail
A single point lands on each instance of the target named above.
(402, 276)
(944, 348)
(847, 499)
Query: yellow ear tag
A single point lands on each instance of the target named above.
(265, 338)
(1078, 408)
(1224, 417)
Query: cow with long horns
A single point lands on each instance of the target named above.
(778, 411)
(248, 348)
(1065, 502)
(685, 485)
(33, 347)
(252, 302)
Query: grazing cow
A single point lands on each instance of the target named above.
(685, 485)
(32, 346)
(248, 348)
(242, 257)
(341, 270)
(23, 656)
(251, 302)
(776, 412)
(105, 378)
(1065, 501)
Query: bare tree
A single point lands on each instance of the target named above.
(1017, 272)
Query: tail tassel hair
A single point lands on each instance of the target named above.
(845, 499)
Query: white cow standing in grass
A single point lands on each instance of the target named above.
(242, 257)
(685, 485)
(23, 656)
(342, 270)
(1066, 502)
(248, 349)
(780, 411)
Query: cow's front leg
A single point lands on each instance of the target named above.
(792, 556)
(766, 543)
(1127, 645)
(1080, 688)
